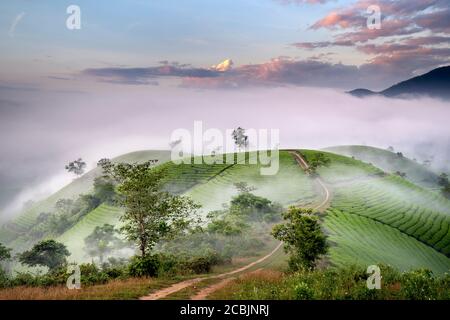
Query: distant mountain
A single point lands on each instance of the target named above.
(435, 83)
(361, 93)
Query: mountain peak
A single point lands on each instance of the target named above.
(435, 83)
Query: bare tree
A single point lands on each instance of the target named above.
(77, 167)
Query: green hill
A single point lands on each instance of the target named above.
(211, 186)
(373, 217)
(12, 231)
(377, 218)
(391, 162)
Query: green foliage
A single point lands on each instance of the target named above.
(151, 214)
(302, 237)
(243, 187)
(104, 190)
(303, 292)
(102, 242)
(158, 265)
(4, 280)
(349, 283)
(48, 253)
(446, 192)
(419, 285)
(67, 213)
(90, 275)
(443, 180)
(227, 226)
(5, 253)
(317, 160)
(445, 184)
(253, 207)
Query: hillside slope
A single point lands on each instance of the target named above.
(10, 232)
(212, 186)
(390, 162)
(373, 217)
(377, 218)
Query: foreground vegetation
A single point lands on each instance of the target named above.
(348, 283)
(148, 215)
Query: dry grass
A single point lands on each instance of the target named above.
(261, 275)
(114, 290)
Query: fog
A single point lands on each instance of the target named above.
(42, 131)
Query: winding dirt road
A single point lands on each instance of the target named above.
(202, 294)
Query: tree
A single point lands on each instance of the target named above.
(316, 161)
(77, 167)
(302, 237)
(64, 206)
(102, 241)
(104, 190)
(446, 191)
(401, 174)
(391, 148)
(5, 253)
(48, 253)
(5, 256)
(240, 139)
(151, 214)
(443, 180)
(243, 187)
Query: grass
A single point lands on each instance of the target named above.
(342, 169)
(289, 186)
(379, 218)
(127, 289)
(364, 242)
(392, 201)
(391, 162)
(342, 284)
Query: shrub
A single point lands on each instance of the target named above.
(146, 266)
(303, 292)
(91, 274)
(419, 285)
(4, 280)
(202, 264)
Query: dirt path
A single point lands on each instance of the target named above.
(202, 294)
(184, 284)
(324, 204)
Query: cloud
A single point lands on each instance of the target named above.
(223, 66)
(322, 44)
(146, 76)
(303, 1)
(410, 40)
(15, 23)
(49, 130)
(400, 17)
(391, 64)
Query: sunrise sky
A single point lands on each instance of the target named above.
(323, 43)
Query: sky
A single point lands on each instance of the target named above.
(324, 43)
(137, 70)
